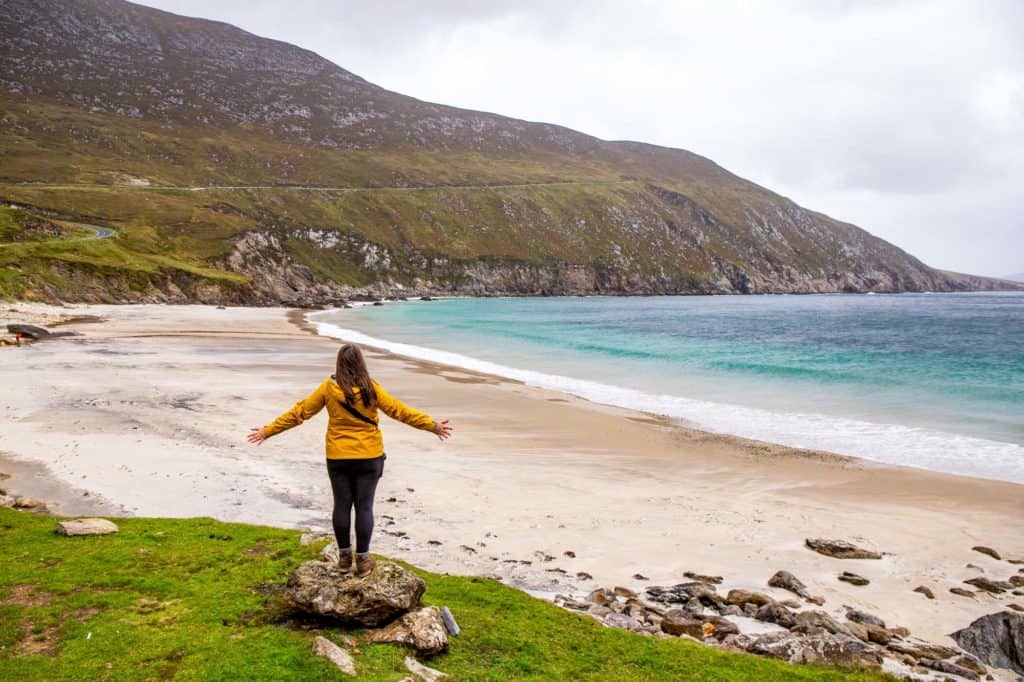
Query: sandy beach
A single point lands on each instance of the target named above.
(147, 411)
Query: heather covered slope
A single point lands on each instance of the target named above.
(116, 115)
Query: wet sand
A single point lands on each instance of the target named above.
(149, 410)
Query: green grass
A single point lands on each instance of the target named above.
(187, 599)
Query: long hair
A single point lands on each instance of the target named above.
(351, 372)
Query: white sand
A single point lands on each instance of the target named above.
(150, 410)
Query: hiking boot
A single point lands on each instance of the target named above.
(364, 564)
(345, 560)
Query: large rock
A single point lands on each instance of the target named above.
(320, 589)
(827, 648)
(86, 527)
(682, 622)
(32, 331)
(997, 639)
(787, 581)
(422, 630)
(335, 654)
(840, 549)
(989, 585)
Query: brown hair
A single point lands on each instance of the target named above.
(351, 372)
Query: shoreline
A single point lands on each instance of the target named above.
(155, 402)
(898, 444)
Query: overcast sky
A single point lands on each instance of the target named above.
(905, 117)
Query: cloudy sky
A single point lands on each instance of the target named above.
(905, 117)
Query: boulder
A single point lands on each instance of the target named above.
(923, 650)
(601, 596)
(988, 585)
(712, 579)
(989, 551)
(853, 579)
(948, 668)
(335, 654)
(840, 549)
(787, 581)
(422, 672)
(926, 591)
(776, 613)
(73, 527)
(682, 622)
(814, 622)
(26, 504)
(864, 618)
(997, 639)
(824, 648)
(32, 331)
(422, 630)
(685, 592)
(319, 588)
(961, 592)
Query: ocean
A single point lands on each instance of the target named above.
(934, 381)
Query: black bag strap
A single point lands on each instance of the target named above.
(357, 414)
(354, 412)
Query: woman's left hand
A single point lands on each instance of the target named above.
(442, 430)
(256, 435)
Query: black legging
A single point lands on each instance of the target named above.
(354, 482)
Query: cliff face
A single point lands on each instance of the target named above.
(237, 168)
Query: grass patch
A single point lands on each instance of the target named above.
(188, 599)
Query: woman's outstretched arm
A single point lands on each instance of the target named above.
(396, 409)
(300, 412)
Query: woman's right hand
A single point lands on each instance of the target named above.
(256, 435)
(442, 430)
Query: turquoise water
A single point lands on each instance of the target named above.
(927, 380)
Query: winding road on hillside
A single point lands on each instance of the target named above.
(98, 232)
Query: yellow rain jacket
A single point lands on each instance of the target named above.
(349, 437)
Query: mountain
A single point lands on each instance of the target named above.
(1016, 277)
(184, 159)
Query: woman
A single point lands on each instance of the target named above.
(355, 447)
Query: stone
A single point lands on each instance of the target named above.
(864, 618)
(787, 581)
(857, 630)
(989, 551)
(840, 549)
(681, 622)
(1016, 580)
(923, 649)
(335, 654)
(422, 672)
(422, 630)
(601, 596)
(1015, 607)
(713, 579)
(449, 622)
(988, 585)
(27, 504)
(997, 639)
(685, 592)
(947, 667)
(624, 592)
(876, 634)
(814, 622)
(319, 588)
(72, 527)
(853, 579)
(776, 613)
(718, 627)
(971, 663)
(961, 592)
(926, 591)
(738, 597)
(824, 648)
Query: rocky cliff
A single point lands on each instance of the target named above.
(236, 168)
